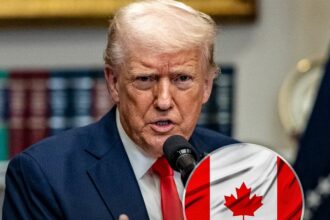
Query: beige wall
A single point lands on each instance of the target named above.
(264, 53)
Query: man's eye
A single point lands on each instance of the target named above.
(183, 78)
(144, 82)
(183, 81)
(144, 78)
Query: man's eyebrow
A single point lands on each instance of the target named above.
(133, 72)
(144, 74)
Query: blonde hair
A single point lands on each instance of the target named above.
(160, 26)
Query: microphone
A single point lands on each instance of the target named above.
(181, 155)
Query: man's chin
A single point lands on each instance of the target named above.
(155, 147)
(155, 144)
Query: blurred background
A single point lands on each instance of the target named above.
(258, 56)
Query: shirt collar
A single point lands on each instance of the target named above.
(139, 160)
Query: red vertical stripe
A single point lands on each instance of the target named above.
(289, 195)
(197, 198)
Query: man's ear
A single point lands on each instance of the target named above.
(111, 78)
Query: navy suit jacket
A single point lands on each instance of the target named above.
(83, 173)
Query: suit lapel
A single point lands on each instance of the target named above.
(113, 175)
(199, 146)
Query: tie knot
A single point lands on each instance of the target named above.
(162, 168)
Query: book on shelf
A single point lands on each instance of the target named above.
(80, 97)
(37, 112)
(17, 112)
(102, 101)
(3, 115)
(28, 109)
(58, 101)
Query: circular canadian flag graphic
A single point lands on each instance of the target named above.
(243, 182)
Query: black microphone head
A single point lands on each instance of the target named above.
(174, 147)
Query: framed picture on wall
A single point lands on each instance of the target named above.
(98, 11)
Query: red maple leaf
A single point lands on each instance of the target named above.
(243, 205)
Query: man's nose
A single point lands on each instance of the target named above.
(163, 96)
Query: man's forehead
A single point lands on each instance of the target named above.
(180, 60)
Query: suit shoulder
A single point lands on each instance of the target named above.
(62, 143)
(213, 138)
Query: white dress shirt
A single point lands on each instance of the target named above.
(148, 181)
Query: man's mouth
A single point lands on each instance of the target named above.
(163, 123)
(162, 126)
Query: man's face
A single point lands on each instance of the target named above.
(159, 95)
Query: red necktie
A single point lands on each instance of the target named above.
(171, 204)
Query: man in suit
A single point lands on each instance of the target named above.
(159, 70)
